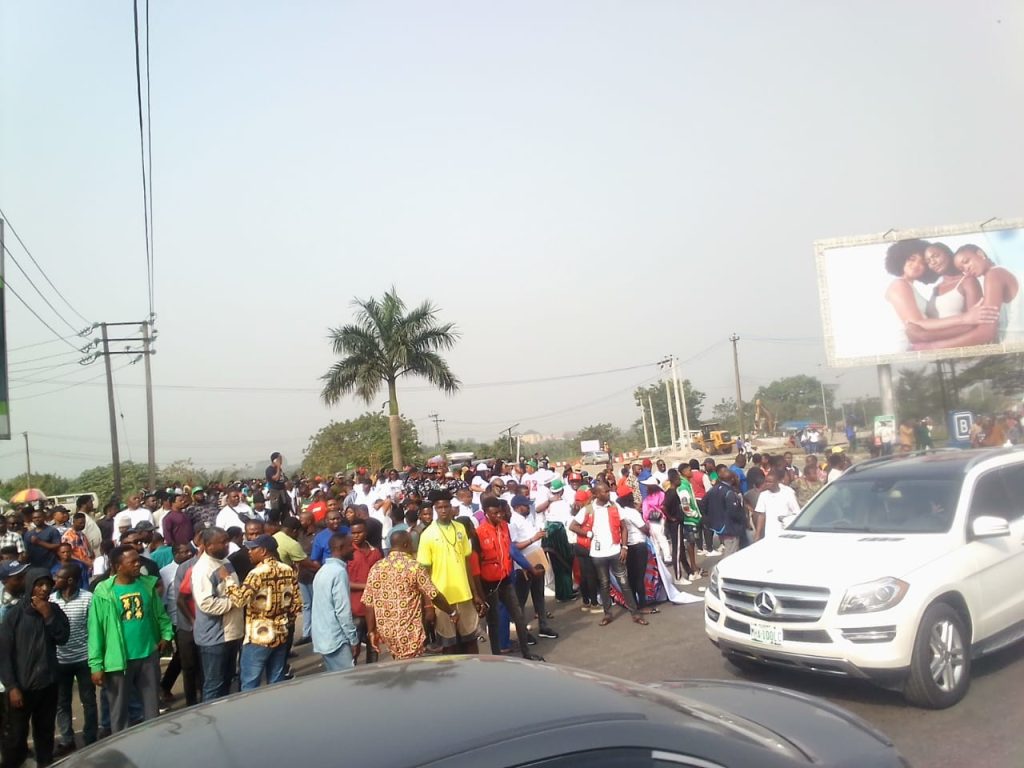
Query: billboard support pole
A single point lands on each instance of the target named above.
(643, 418)
(739, 392)
(654, 422)
(114, 451)
(885, 389)
(671, 414)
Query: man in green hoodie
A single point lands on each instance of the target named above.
(128, 629)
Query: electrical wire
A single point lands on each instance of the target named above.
(41, 270)
(149, 144)
(142, 150)
(19, 371)
(41, 294)
(37, 359)
(19, 398)
(43, 343)
(17, 295)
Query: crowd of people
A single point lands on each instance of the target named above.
(429, 559)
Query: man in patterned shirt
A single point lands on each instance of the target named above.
(394, 601)
(270, 597)
(10, 538)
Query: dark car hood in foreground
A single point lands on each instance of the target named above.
(486, 711)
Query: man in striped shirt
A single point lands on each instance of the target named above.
(73, 658)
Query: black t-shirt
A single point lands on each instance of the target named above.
(275, 485)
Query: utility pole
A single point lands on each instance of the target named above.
(509, 430)
(654, 421)
(671, 415)
(28, 462)
(736, 370)
(684, 418)
(437, 427)
(643, 419)
(146, 339)
(115, 455)
(824, 408)
(150, 437)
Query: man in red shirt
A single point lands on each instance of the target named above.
(363, 558)
(497, 555)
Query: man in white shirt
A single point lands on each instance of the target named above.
(234, 513)
(776, 506)
(601, 524)
(463, 506)
(134, 514)
(527, 536)
(661, 473)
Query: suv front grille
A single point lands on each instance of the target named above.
(774, 602)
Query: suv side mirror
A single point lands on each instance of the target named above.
(989, 527)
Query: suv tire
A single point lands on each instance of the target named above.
(940, 670)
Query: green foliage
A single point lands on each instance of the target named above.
(604, 432)
(795, 398)
(363, 441)
(49, 484)
(724, 412)
(656, 392)
(100, 480)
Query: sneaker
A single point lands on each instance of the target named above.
(530, 639)
(702, 553)
(102, 733)
(548, 633)
(596, 609)
(533, 657)
(681, 582)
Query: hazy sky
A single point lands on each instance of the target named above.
(580, 186)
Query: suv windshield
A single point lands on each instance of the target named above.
(866, 504)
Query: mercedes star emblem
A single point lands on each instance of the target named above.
(765, 603)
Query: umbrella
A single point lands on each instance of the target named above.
(28, 496)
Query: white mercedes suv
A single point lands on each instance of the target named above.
(901, 571)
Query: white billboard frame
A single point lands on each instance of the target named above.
(821, 247)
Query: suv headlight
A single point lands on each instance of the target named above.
(878, 595)
(713, 583)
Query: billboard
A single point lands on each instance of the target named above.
(922, 295)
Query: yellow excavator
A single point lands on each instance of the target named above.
(713, 440)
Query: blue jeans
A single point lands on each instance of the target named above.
(218, 669)
(306, 590)
(339, 660)
(258, 658)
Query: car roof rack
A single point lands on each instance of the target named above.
(860, 466)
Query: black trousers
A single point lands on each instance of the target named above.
(38, 712)
(369, 655)
(674, 534)
(191, 666)
(588, 575)
(636, 570)
(534, 587)
(504, 592)
(706, 536)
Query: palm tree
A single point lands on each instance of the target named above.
(385, 343)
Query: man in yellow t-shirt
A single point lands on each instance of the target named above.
(445, 551)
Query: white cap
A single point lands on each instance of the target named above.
(481, 467)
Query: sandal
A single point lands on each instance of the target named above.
(651, 611)
(605, 621)
(641, 620)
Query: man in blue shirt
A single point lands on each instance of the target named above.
(738, 469)
(644, 474)
(41, 542)
(321, 542)
(335, 636)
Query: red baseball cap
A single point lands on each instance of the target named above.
(582, 496)
(647, 462)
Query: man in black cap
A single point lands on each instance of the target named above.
(270, 597)
(29, 635)
(202, 513)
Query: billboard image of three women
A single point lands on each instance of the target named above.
(923, 295)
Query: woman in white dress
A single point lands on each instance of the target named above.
(905, 260)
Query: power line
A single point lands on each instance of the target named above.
(51, 367)
(44, 343)
(142, 150)
(37, 359)
(149, 143)
(72, 385)
(41, 270)
(41, 294)
(39, 318)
